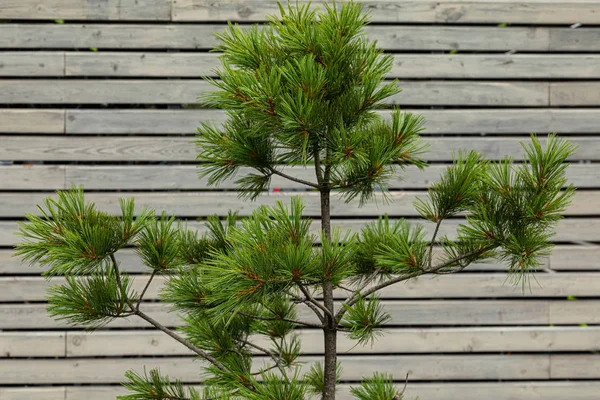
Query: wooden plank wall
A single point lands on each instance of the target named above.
(96, 92)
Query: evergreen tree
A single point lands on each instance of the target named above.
(302, 91)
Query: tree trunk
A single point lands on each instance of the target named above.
(329, 332)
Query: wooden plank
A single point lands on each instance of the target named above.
(88, 9)
(109, 36)
(406, 11)
(575, 257)
(465, 66)
(17, 91)
(137, 177)
(33, 393)
(12, 120)
(480, 285)
(548, 390)
(32, 64)
(394, 340)
(201, 36)
(32, 344)
(575, 93)
(565, 39)
(28, 177)
(438, 121)
(568, 230)
(563, 258)
(178, 149)
(403, 313)
(584, 366)
(573, 312)
(188, 204)
(425, 367)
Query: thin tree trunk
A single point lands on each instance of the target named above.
(330, 332)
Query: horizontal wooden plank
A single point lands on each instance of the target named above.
(438, 121)
(394, 340)
(32, 64)
(201, 36)
(568, 230)
(403, 313)
(563, 258)
(28, 177)
(36, 393)
(188, 204)
(468, 66)
(178, 149)
(446, 11)
(92, 10)
(425, 367)
(38, 121)
(584, 366)
(574, 93)
(32, 344)
(17, 91)
(480, 285)
(575, 390)
(186, 177)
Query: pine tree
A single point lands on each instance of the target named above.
(303, 90)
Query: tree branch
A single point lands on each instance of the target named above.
(137, 305)
(293, 321)
(275, 357)
(351, 300)
(313, 301)
(135, 310)
(435, 232)
(291, 178)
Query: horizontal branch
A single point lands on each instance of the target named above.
(291, 178)
(293, 321)
(351, 300)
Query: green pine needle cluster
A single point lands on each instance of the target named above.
(302, 90)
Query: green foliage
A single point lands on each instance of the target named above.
(304, 90)
(377, 387)
(365, 319)
(154, 386)
(91, 301)
(315, 377)
(158, 245)
(72, 237)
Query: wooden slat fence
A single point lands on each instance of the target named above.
(101, 93)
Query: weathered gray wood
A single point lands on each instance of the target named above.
(61, 148)
(86, 9)
(33, 393)
(568, 230)
(424, 367)
(469, 66)
(403, 313)
(186, 177)
(28, 176)
(575, 257)
(32, 344)
(32, 64)
(574, 312)
(547, 390)
(565, 39)
(580, 365)
(447, 11)
(187, 91)
(182, 36)
(32, 121)
(574, 94)
(394, 340)
(438, 121)
(192, 204)
(109, 36)
(463, 285)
